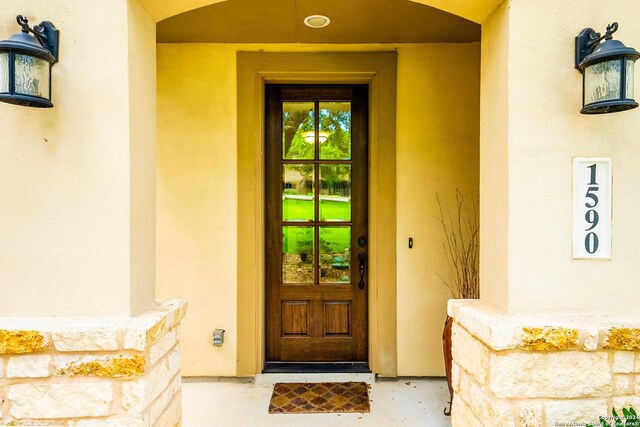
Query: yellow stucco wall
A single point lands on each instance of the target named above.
(74, 235)
(437, 149)
(379, 69)
(537, 95)
(196, 198)
(196, 218)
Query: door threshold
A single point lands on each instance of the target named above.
(271, 379)
(316, 368)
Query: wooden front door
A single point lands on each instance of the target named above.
(316, 223)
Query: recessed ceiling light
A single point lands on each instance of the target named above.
(317, 21)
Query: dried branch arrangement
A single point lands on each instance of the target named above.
(462, 240)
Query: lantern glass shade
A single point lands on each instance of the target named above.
(32, 76)
(607, 84)
(4, 72)
(310, 136)
(629, 87)
(602, 82)
(25, 65)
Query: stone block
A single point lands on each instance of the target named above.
(86, 399)
(164, 344)
(174, 359)
(116, 366)
(145, 330)
(455, 377)
(490, 412)
(177, 310)
(43, 423)
(623, 339)
(548, 338)
(484, 323)
(86, 339)
(568, 374)
(148, 328)
(162, 403)
(561, 412)
(469, 353)
(625, 402)
(462, 415)
(137, 395)
(22, 341)
(32, 366)
(623, 362)
(623, 384)
(531, 414)
(117, 421)
(172, 415)
(592, 336)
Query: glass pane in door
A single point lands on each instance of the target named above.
(335, 255)
(297, 131)
(298, 203)
(297, 254)
(335, 130)
(335, 192)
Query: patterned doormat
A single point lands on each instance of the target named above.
(306, 398)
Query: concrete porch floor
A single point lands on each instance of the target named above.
(228, 402)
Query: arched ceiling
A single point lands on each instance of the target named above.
(352, 21)
(473, 10)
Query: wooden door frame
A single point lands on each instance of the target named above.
(378, 70)
(316, 344)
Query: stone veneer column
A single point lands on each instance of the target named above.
(541, 371)
(110, 371)
(554, 338)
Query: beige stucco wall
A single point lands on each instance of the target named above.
(533, 271)
(197, 189)
(141, 58)
(494, 159)
(75, 235)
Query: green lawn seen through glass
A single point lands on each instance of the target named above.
(294, 209)
(295, 236)
(337, 238)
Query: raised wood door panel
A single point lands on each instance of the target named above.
(316, 210)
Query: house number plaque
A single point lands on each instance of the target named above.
(591, 208)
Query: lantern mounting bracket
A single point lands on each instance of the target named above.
(45, 32)
(588, 39)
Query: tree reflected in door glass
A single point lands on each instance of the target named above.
(297, 122)
(335, 123)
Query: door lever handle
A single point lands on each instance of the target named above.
(362, 262)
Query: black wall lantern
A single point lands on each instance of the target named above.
(25, 65)
(607, 72)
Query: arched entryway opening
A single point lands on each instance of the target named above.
(210, 173)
